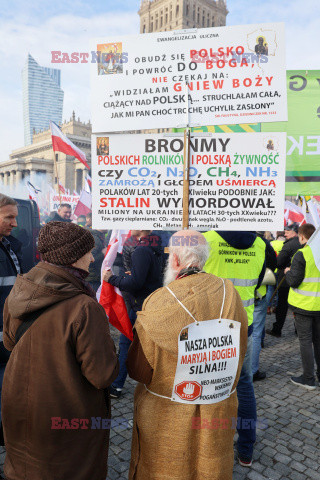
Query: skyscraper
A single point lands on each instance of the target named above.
(163, 15)
(42, 98)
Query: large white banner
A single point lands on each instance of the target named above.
(55, 201)
(237, 181)
(233, 75)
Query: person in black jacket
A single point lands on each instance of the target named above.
(260, 312)
(10, 267)
(145, 256)
(307, 321)
(63, 214)
(290, 247)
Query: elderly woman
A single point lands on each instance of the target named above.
(62, 360)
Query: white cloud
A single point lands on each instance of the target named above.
(67, 33)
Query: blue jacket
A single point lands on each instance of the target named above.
(8, 271)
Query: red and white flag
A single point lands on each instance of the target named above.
(61, 143)
(62, 189)
(88, 184)
(109, 296)
(84, 205)
(33, 192)
(293, 214)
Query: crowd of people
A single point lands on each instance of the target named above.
(59, 365)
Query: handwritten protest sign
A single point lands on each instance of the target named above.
(234, 75)
(55, 201)
(236, 181)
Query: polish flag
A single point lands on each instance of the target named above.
(84, 205)
(62, 189)
(293, 214)
(109, 296)
(88, 184)
(61, 143)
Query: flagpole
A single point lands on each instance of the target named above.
(55, 169)
(186, 166)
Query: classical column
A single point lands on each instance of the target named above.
(12, 178)
(6, 178)
(18, 177)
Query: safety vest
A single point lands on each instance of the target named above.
(307, 295)
(242, 267)
(277, 245)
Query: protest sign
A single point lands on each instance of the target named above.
(236, 181)
(207, 363)
(303, 127)
(233, 75)
(55, 199)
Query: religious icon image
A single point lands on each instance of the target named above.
(270, 145)
(102, 145)
(184, 334)
(263, 42)
(261, 47)
(110, 58)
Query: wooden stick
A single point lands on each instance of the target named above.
(276, 290)
(55, 169)
(186, 161)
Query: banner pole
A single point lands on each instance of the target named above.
(186, 165)
(55, 170)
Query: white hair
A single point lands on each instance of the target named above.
(195, 255)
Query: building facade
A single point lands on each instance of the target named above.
(37, 158)
(42, 98)
(164, 15)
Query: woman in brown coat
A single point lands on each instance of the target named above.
(54, 384)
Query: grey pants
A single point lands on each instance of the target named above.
(308, 329)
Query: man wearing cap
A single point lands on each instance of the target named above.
(55, 380)
(290, 247)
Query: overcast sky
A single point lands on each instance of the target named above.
(69, 26)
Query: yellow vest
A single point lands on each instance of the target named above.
(307, 295)
(242, 267)
(277, 245)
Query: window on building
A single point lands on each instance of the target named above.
(177, 11)
(208, 20)
(187, 10)
(171, 15)
(144, 29)
(212, 21)
(166, 18)
(156, 24)
(203, 20)
(151, 27)
(161, 21)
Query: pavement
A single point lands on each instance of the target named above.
(287, 446)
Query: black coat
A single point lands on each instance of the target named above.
(290, 247)
(146, 274)
(7, 271)
(57, 218)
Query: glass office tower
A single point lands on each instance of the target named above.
(42, 98)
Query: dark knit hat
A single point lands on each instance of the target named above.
(64, 243)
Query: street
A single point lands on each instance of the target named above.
(288, 419)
